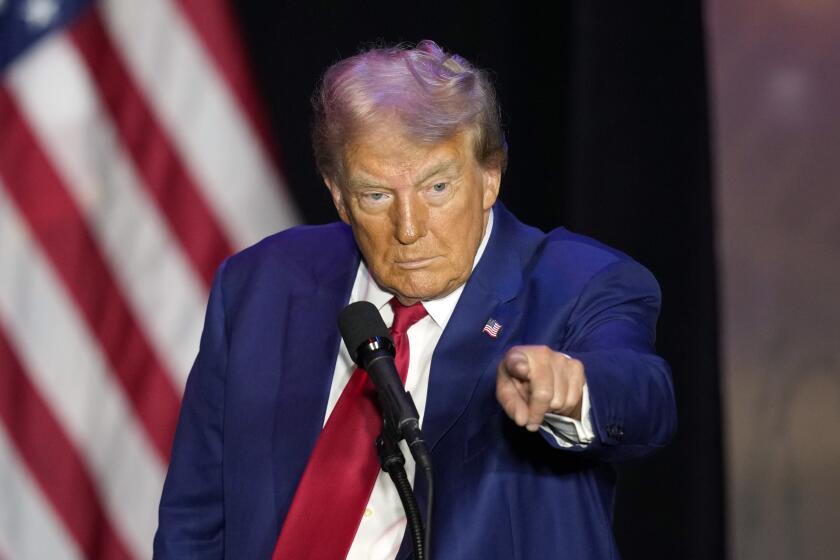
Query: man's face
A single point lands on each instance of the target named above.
(417, 211)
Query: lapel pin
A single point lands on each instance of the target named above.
(492, 327)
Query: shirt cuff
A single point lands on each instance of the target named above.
(568, 431)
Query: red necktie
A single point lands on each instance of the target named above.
(342, 470)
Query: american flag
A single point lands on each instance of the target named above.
(133, 158)
(492, 327)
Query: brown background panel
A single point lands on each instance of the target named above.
(776, 94)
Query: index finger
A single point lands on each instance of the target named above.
(542, 392)
(509, 396)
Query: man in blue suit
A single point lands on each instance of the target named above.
(532, 364)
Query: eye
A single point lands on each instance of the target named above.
(440, 187)
(373, 199)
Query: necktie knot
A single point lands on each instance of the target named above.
(405, 315)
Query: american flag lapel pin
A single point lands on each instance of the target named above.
(492, 327)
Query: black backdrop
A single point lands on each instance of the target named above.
(606, 115)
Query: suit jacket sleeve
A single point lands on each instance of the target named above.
(191, 521)
(612, 330)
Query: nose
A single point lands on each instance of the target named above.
(410, 218)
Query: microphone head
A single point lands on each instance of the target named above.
(358, 323)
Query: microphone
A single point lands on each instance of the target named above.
(370, 346)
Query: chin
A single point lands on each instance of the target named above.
(421, 284)
(418, 290)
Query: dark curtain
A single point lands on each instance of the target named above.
(605, 109)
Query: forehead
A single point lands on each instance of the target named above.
(384, 150)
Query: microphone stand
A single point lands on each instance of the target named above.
(392, 460)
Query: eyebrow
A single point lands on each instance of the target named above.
(434, 170)
(355, 183)
(370, 182)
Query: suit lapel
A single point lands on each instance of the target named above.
(462, 356)
(311, 343)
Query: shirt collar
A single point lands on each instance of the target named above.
(439, 309)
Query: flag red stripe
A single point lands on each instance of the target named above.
(53, 461)
(216, 26)
(61, 230)
(164, 173)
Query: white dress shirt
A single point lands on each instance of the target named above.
(382, 526)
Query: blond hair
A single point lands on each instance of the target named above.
(435, 95)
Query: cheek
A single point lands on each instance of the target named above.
(373, 238)
(458, 237)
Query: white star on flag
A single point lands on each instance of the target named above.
(40, 13)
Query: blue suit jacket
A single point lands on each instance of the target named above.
(256, 397)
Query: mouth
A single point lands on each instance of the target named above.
(411, 264)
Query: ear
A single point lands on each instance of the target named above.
(492, 177)
(338, 199)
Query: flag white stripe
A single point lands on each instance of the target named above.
(163, 290)
(65, 364)
(30, 530)
(202, 117)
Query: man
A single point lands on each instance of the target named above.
(530, 355)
